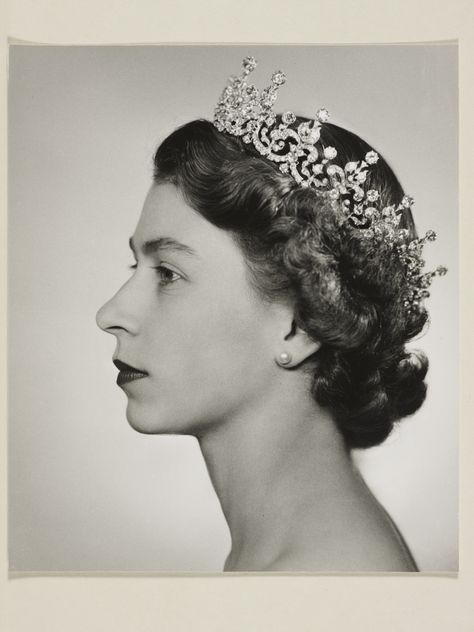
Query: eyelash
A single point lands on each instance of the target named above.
(159, 270)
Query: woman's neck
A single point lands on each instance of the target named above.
(282, 474)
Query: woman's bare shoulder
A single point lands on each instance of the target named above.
(361, 546)
(377, 559)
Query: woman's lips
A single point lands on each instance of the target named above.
(127, 373)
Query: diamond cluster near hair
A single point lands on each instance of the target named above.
(244, 111)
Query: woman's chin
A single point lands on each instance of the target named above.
(153, 422)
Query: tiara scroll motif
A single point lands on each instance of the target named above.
(244, 111)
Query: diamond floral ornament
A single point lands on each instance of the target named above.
(407, 201)
(288, 118)
(249, 63)
(371, 157)
(330, 153)
(242, 110)
(372, 195)
(322, 115)
(278, 78)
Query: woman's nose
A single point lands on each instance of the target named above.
(117, 315)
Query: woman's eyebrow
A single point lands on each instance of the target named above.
(150, 246)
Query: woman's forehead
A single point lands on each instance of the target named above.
(166, 215)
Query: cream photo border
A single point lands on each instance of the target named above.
(277, 603)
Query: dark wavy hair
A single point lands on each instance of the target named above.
(347, 292)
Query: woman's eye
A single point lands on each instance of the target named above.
(167, 275)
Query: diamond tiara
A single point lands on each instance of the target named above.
(244, 111)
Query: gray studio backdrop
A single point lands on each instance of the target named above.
(86, 492)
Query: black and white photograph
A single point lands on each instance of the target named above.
(233, 309)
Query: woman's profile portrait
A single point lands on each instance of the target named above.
(284, 340)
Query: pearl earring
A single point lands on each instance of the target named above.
(284, 358)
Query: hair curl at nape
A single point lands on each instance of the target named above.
(347, 292)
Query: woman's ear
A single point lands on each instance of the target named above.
(296, 346)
